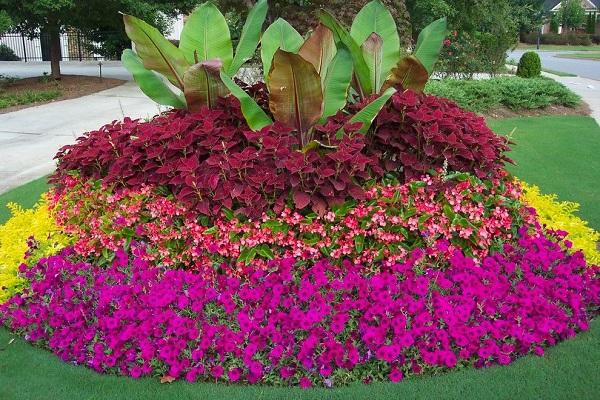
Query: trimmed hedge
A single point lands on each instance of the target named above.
(576, 39)
(512, 92)
(530, 65)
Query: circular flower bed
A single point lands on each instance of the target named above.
(343, 242)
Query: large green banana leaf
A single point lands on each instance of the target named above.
(374, 17)
(429, 43)
(206, 34)
(250, 36)
(336, 83)
(156, 52)
(149, 82)
(361, 69)
(279, 35)
(255, 116)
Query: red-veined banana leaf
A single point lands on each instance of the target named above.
(409, 73)
(156, 52)
(250, 36)
(295, 96)
(429, 43)
(374, 17)
(319, 49)
(254, 115)
(361, 69)
(203, 85)
(373, 51)
(370, 111)
(150, 83)
(206, 34)
(336, 83)
(279, 35)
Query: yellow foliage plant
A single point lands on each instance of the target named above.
(560, 215)
(33, 227)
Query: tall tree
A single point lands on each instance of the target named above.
(571, 14)
(5, 22)
(54, 16)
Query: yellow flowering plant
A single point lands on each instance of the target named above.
(27, 236)
(560, 215)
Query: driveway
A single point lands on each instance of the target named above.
(30, 138)
(585, 68)
(110, 69)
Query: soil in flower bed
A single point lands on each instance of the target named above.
(69, 87)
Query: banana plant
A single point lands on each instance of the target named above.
(308, 81)
(378, 59)
(194, 68)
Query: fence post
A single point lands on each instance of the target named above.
(79, 45)
(24, 48)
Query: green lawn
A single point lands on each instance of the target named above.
(557, 153)
(589, 55)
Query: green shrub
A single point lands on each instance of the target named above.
(512, 92)
(27, 97)
(530, 65)
(571, 38)
(554, 25)
(7, 54)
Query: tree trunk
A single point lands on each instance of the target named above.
(55, 50)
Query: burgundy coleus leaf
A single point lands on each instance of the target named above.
(301, 199)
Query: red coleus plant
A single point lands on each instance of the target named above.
(416, 133)
(209, 160)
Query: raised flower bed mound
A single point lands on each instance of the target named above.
(318, 324)
(321, 228)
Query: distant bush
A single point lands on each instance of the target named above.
(530, 65)
(7, 54)
(573, 39)
(512, 92)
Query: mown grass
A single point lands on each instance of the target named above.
(27, 97)
(591, 55)
(512, 92)
(557, 153)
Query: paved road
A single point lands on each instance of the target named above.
(110, 69)
(585, 68)
(30, 138)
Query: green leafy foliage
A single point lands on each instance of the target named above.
(279, 35)
(374, 17)
(430, 42)
(361, 69)
(368, 113)
(150, 83)
(205, 36)
(530, 65)
(249, 37)
(336, 83)
(156, 52)
(512, 92)
(254, 115)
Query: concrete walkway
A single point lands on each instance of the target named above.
(30, 138)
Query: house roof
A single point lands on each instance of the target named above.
(550, 4)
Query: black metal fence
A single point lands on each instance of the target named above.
(74, 46)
